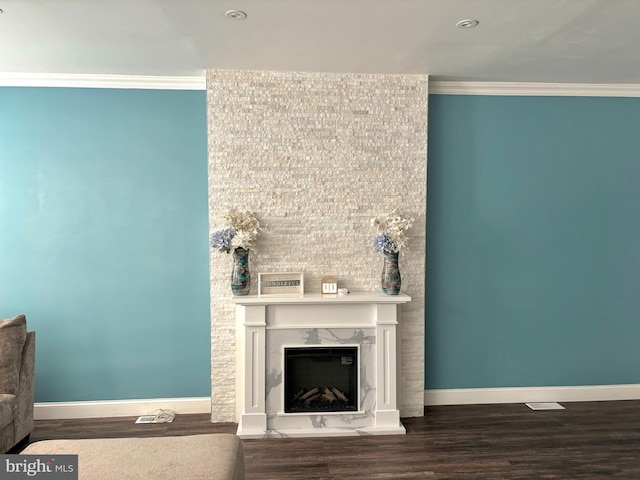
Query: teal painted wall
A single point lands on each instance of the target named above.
(103, 239)
(533, 241)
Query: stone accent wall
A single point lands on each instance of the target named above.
(316, 156)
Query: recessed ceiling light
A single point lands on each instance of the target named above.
(235, 14)
(468, 23)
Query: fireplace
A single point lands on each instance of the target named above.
(320, 379)
(316, 365)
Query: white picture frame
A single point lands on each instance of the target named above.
(286, 283)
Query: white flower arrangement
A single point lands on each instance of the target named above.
(241, 230)
(391, 237)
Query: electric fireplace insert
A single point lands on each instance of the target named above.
(320, 379)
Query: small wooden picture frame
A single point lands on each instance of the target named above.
(281, 283)
(329, 285)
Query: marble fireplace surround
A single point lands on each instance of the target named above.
(265, 325)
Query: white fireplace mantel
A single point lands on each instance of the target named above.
(266, 324)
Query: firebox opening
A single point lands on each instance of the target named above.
(320, 379)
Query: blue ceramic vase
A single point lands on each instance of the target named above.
(390, 280)
(240, 277)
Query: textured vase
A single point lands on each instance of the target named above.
(390, 279)
(240, 277)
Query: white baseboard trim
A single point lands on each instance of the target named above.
(119, 408)
(591, 393)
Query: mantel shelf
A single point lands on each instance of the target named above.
(317, 298)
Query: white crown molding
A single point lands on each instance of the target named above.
(102, 81)
(534, 89)
(119, 408)
(591, 393)
(436, 87)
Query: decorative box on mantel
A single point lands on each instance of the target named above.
(315, 365)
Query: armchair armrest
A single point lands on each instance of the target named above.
(25, 395)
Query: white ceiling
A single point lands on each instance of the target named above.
(560, 41)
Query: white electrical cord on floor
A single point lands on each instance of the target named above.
(164, 415)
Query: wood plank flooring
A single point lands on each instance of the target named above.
(588, 440)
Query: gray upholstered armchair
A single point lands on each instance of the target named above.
(17, 362)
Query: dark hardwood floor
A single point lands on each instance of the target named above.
(586, 441)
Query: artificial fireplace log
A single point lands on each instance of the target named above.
(341, 396)
(297, 396)
(307, 401)
(327, 395)
(310, 393)
(320, 398)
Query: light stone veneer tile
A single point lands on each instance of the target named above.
(316, 156)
